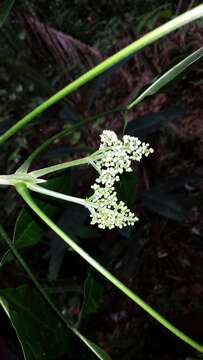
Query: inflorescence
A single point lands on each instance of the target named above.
(112, 159)
(117, 155)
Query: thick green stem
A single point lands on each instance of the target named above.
(22, 190)
(120, 56)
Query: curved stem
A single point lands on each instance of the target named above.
(22, 190)
(110, 62)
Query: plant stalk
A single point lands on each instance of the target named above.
(22, 190)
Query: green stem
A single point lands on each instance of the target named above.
(29, 272)
(94, 348)
(62, 166)
(22, 190)
(120, 56)
(53, 168)
(25, 166)
(58, 195)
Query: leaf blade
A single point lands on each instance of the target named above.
(168, 76)
(25, 309)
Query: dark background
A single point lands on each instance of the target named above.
(44, 46)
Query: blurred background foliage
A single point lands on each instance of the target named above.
(46, 44)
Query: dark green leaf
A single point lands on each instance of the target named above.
(101, 354)
(93, 291)
(126, 188)
(152, 122)
(28, 230)
(5, 8)
(165, 205)
(177, 182)
(70, 221)
(41, 333)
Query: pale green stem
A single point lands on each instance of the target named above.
(62, 166)
(120, 56)
(22, 190)
(92, 162)
(25, 166)
(86, 160)
(58, 195)
(44, 294)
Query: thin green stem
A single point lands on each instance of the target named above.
(30, 273)
(82, 161)
(25, 166)
(62, 166)
(57, 195)
(119, 57)
(94, 348)
(22, 190)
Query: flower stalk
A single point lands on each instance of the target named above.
(113, 157)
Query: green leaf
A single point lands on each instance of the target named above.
(126, 188)
(93, 291)
(41, 333)
(5, 9)
(153, 122)
(28, 230)
(176, 182)
(168, 76)
(101, 354)
(165, 205)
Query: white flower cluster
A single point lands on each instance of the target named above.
(115, 158)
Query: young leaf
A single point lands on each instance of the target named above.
(5, 8)
(168, 76)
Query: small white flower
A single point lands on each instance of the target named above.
(114, 158)
(118, 155)
(107, 210)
